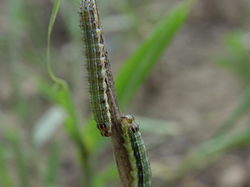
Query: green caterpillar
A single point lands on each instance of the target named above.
(97, 60)
(141, 172)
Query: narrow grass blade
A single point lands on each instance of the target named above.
(51, 23)
(61, 88)
(139, 65)
(64, 99)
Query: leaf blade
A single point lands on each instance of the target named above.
(139, 65)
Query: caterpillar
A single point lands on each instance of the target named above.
(141, 172)
(96, 57)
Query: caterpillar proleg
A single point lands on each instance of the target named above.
(141, 172)
(96, 57)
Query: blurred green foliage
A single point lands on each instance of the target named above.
(24, 159)
(237, 58)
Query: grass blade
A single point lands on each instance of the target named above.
(139, 65)
(64, 99)
(51, 24)
(61, 88)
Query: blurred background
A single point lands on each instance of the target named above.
(193, 108)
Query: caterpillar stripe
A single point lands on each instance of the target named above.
(141, 172)
(96, 57)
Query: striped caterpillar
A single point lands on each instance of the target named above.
(141, 172)
(96, 57)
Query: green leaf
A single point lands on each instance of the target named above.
(139, 65)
